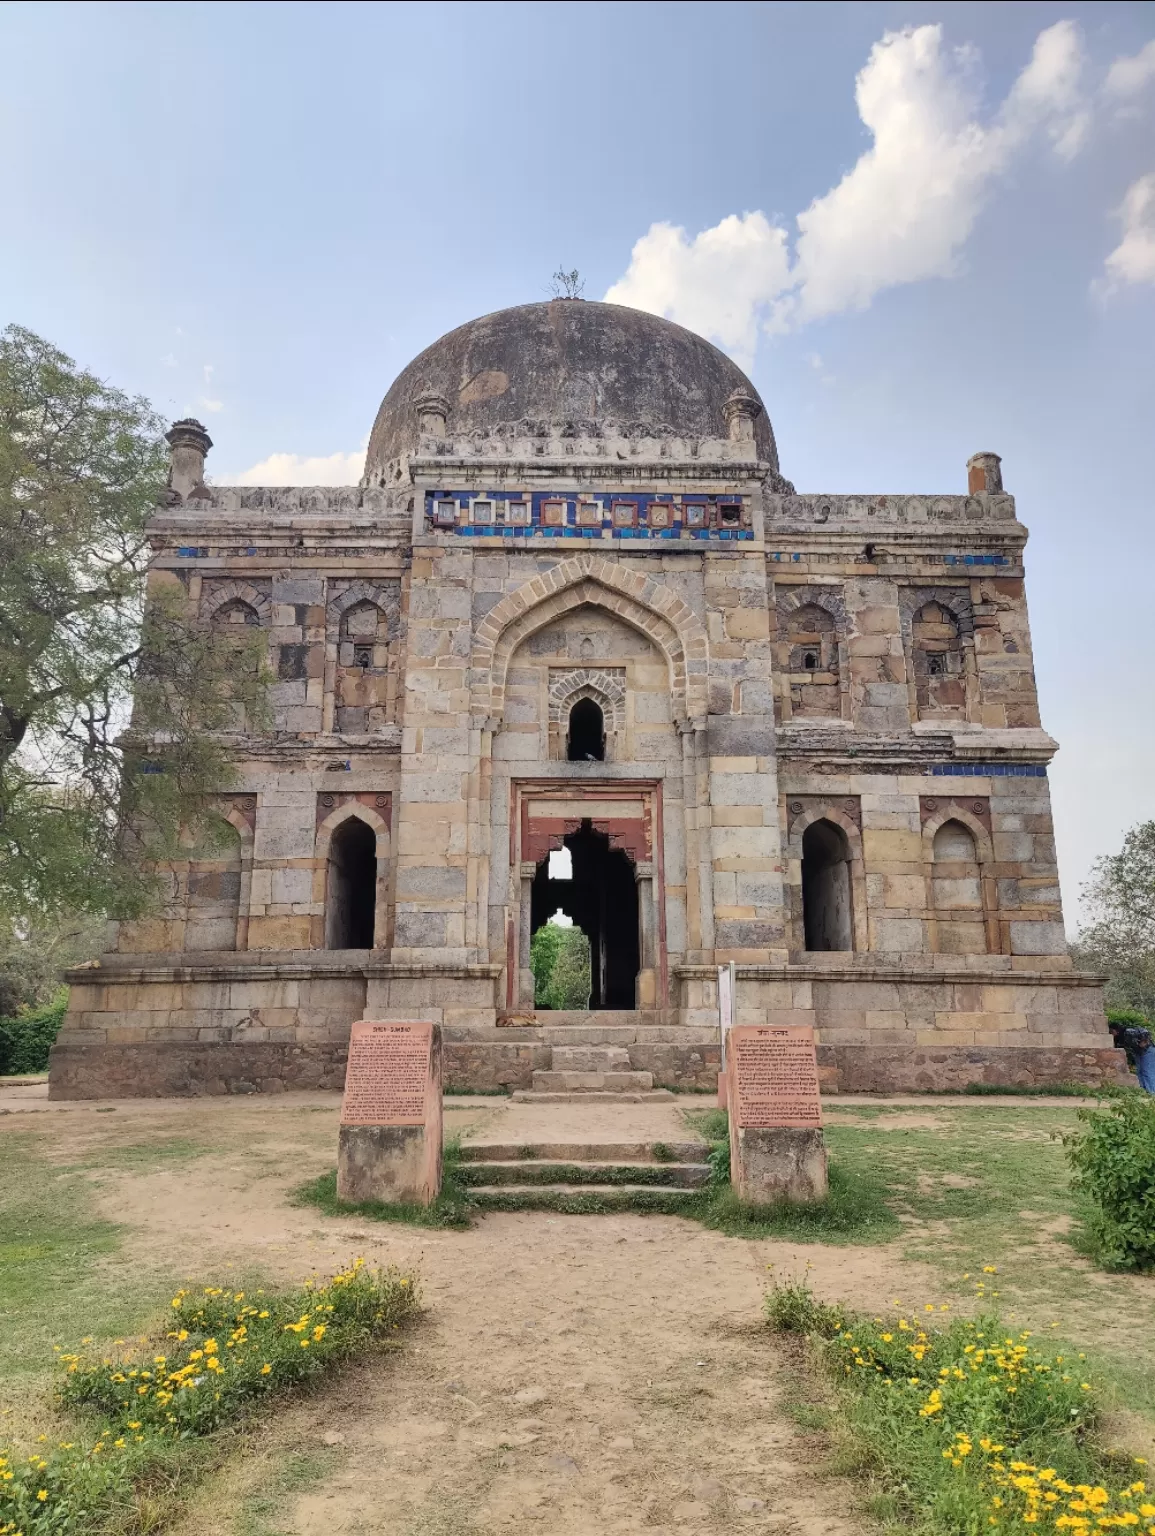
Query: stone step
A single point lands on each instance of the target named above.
(598, 1016)
(589, 1096)
(583, 1151)
(581, 1175)
(576, 1197)
(564, 1081)
(588, 1034)
(591, 1058)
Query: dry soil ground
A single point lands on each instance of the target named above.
(571, 1374)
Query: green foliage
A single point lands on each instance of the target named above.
(1114, 1163)
(964, 1428)
(1120, 938)
(790, 1306)
(225, 1353)
(35, 954)
(86, 806)
(26, 1039)
(560, 958)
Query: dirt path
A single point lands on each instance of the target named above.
(572, 1374)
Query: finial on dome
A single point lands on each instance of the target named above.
(741, 411)
(432, 412)
(984, 475)
(189, 443)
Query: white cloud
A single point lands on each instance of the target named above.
(211, 405)
(901, 214)
(715, 284)
(1048, 94)
(1130, 75)
(293, 469)
(1133, 259)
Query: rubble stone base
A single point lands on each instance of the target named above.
(166, 1070)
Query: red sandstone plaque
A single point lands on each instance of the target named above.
(773, 1076)
(387, 1079)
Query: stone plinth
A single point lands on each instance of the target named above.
(389, 1146)
(777, 1150)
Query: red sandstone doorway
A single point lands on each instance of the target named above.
(600, 895)
(609, 817)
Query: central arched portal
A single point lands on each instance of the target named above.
(601, 897)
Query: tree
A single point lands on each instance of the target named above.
(111, 698)
(560, 958)
(1120, 937)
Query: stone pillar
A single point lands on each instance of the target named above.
(189, 443)
(984, 475)
(647, 938)
(432, 413)
(741, 411)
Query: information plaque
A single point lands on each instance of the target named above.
(387, 1077)
(774, 1077)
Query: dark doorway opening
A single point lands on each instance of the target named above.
(352, 888)
(602, 899)
(586, 742)
(826, 911)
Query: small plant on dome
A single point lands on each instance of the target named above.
(567, 285)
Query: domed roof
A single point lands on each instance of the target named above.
(569, 361)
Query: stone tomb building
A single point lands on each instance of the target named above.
(574, 604)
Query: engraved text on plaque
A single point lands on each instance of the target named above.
(775, 1070)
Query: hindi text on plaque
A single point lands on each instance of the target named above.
(389, 1148)
(776, 1145)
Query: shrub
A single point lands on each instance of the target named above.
(225, 1353)
(26, 1040)
(1128, 1016)
(791, 1307)
(969, 1427)
(1114, 1163)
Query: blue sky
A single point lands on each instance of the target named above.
(926, 229)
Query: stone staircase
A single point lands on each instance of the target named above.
(590, 1058)
(583, 1177)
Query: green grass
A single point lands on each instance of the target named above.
(262, 1512)
(452, 1208)
(54, 1281)
(943, 1425)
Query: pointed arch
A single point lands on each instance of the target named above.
(590, 580)
(236, 592)
(327, 827)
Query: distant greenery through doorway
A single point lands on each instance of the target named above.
(561, 967)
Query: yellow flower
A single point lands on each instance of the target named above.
(990, 1269)
(266, 1368)
(42, 1495)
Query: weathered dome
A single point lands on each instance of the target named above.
(567, 362)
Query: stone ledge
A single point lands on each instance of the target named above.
(872, 970)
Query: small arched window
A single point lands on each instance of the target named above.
(362, 637)
(586, 741)
(812, 662)
(938, 662)
(236, 614)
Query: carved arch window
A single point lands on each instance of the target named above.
(603, 688)
(938, 625)
(962, 892)
(811, 653)
(826, 882)
(361, 685)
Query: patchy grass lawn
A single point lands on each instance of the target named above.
(976, 1186)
